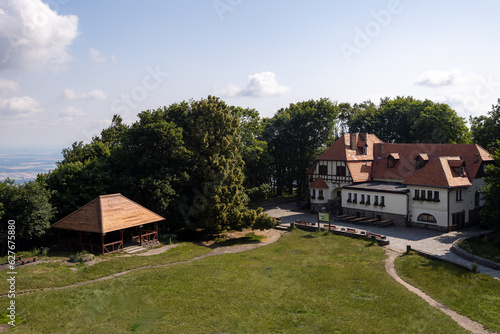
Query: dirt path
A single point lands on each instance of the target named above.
(465, 322)
(271, 236)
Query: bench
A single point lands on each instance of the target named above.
(384, 223)
(371, 220)
(23, 261)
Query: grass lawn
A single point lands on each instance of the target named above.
(476, 296)
(57, 273)
(307, 282)
(487, 246)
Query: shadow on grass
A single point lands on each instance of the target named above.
(250, 238)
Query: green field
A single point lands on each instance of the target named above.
(476, 296)
(304, 283)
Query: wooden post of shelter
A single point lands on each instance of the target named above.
(140, 235)
(157, 233)
(102, 243)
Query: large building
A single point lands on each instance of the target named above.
(427, 185)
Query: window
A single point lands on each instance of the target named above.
(429, 194)
(362, 199)
(459, 195)
(313, 196)
(422, 195)
(428, 218)
(320, 196)
(340, 170)
(349, 197)
(376, 200)
(367, 199)
(462, 171)
(477, 199)
(382, 200)
(364, 150)
(323, 170)
(417, 194)
(436, 195)
(355, 199)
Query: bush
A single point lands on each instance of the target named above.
(259, 193)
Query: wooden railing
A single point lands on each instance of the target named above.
(115, 247)
(146, 237)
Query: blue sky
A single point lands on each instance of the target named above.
(66, 66)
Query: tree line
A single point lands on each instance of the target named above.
(200, 163)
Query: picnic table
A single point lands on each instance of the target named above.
(349, 218)
(386, 222)
(341, 216)
(359, 219)
(371, 220)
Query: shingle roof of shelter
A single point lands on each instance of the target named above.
(108, 213)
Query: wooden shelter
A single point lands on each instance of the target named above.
(100, 225)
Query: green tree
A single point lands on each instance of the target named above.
(254, 150)
(217, 169)
(486, 129)
(28, 204)
(491, 193)
(295, 136)
(407, 120)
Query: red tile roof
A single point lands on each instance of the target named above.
(374, 165)
(318, 184)
(406, 166)
(360, 171)
(439, 173)
(341, 149)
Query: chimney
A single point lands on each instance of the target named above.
(354, 141)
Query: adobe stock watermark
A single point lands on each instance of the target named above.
(486, 89)
(373, 28)
(124, 105)
(11, 273)
(224, 6)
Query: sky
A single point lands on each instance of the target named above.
(67, 66)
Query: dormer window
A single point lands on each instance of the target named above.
(421, 160)
(392, 160)
(364, 150)
(462, 171)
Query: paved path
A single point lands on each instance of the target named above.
(428, 241)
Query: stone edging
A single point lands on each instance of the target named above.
(473, 258)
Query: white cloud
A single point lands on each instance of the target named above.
(68, 115)
(97, 94)
(261, 84)
(437, 78)
(96, 56)
(34, 36)
(469, 93)
(19, 107)
(7, 86)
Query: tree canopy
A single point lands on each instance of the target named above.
(491, 193)
(407, 120)
(486, 128)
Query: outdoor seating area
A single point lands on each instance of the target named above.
(342, 230)
(365, 220)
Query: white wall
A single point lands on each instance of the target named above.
(438, 209)
(394, 203)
